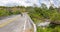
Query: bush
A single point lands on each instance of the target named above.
(16, 12)
(4, 13)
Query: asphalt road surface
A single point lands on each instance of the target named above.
(16, 23)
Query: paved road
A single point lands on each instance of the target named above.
(12, 24)
(15, 23)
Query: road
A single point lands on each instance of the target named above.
(16, 23)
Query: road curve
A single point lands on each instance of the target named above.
(16, 23)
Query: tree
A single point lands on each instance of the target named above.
(43, 6)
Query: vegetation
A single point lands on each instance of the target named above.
(49, 29)
(6, 11)
(37, 14)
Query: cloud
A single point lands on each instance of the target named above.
(27, 2)
(45, 2)
(55, 2)
(19, 2)
(3, 2)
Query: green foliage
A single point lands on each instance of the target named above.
(48, 29)
(40, 29)
(16, 12)
(40, 13)
(4, 13)
(37, 14)
(7, 12)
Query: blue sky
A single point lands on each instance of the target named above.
(27, 2)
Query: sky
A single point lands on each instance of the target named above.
(28, 2)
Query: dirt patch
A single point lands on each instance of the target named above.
(28, 30)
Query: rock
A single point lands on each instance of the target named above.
(44, 24)
(55, 22)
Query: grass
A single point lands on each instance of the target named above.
(48, 29)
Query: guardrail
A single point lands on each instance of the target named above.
(30, 20)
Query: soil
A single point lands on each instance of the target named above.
(28, 30)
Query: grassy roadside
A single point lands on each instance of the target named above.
(49, 29)
(37, 14)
